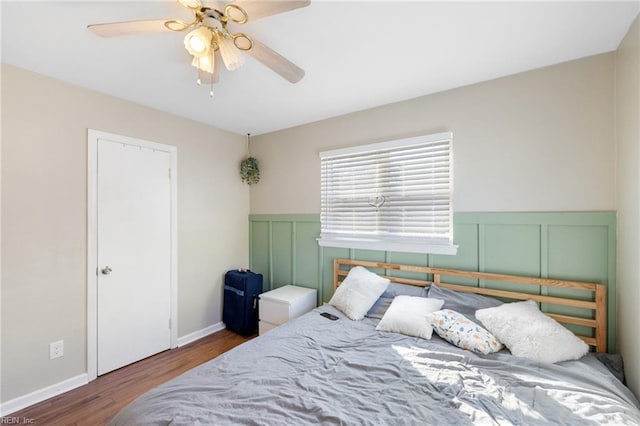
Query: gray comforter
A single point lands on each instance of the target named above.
(316, 371)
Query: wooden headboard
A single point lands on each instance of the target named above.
(597, 304)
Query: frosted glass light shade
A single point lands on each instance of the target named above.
(231, 57)
(198, 42)
(204, 63)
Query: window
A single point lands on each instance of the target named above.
(393, 196)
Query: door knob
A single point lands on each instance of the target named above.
(106, 270)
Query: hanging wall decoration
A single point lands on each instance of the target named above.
(249, 170)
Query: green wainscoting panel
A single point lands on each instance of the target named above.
(282, 253)
(574, 246)
(284, 249)
(578, 253)
(370, 255)
(260, 253)
(512, 249)
(407, 259)
(327, 255)
(466, 236)
(307, 261)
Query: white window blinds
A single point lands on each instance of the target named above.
(392, 196)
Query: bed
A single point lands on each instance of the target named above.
(314, 370)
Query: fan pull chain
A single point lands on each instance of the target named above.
(213, 67)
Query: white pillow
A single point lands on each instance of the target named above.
(528, 333)
(409, 315)
(358, 292)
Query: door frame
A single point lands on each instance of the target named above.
(92, 241)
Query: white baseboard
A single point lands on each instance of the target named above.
(192, 337)
(56, 389)
(40, 395)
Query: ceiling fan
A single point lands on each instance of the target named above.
(210, 41)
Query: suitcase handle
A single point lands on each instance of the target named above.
(234, 290)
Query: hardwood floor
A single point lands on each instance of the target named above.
(101, 399)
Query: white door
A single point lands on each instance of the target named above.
(133, 253)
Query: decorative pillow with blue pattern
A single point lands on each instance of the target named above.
(458, 330)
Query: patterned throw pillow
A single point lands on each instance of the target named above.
(456, 329)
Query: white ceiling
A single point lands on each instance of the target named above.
(356, 55)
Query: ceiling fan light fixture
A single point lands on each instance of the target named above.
(197, 45)
(198, 41)
(210, 42)
(230, 55)
(204, 63)
(191, 4)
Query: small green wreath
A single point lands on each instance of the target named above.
(249, 171)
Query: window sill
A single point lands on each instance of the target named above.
(397, 246)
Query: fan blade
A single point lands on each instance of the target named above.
(278, 63)
(115, 29)
(257, 9)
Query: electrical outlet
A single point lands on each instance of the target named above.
(56, 349)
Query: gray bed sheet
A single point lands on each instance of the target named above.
(316, 371)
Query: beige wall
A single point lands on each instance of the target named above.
(536, 141)
(44, 202)
(627, 77)
(1, 69)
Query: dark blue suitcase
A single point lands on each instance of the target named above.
(240, 309)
